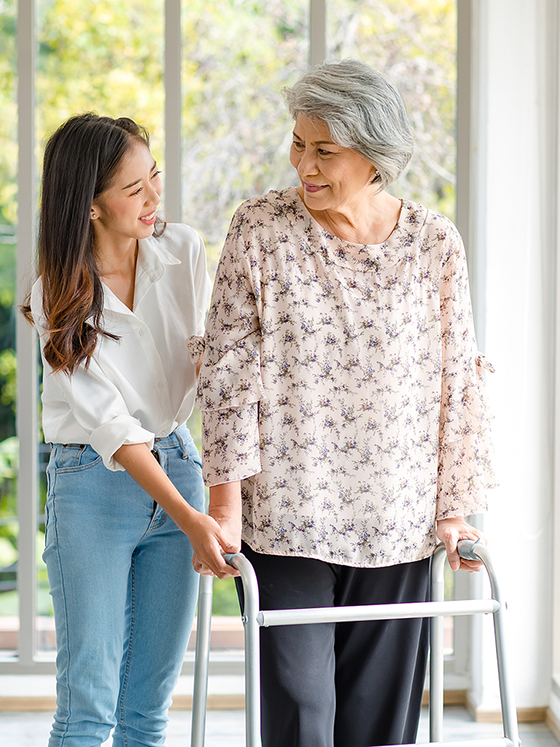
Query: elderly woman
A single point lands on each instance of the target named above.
(343, 420)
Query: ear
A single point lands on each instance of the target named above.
(93, 214)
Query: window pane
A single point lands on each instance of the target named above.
(104, 56)
(237, 56)
(415, 43)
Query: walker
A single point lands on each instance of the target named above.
(254, 618)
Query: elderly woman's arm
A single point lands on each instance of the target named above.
(464, 469)
(225, 509)
(230, 384)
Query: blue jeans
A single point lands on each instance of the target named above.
(124, 593)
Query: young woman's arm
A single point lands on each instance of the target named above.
(209, 541)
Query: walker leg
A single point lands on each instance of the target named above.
(436, 649)
(200, 689)
(251, 627)
(509, 711)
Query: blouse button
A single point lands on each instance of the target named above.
(142, 333)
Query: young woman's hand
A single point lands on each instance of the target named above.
(450, 531)
(210, 543)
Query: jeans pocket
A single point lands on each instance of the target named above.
(75, 458)
(191, 453)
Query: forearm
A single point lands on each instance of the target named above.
(225, 508)
(225, 500)
(141, 464)
(208, 540)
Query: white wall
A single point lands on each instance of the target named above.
(517, 41)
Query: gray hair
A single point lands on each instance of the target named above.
(361, 108)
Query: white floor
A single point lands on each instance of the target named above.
(226, 729)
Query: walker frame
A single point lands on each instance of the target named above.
(254, 619)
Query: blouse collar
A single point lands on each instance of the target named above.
(150, 266)
(367, 257)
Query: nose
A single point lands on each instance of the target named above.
(153, 196)
(307, 165)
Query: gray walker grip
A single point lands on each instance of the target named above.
(467, 549)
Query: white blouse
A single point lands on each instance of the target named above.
(142, 385)
(341, 383)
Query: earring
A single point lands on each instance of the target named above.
(93, 215)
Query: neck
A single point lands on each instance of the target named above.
(117, 268)
(117, 258)
(371, 220)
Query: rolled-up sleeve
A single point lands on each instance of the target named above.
(465, 469)
(98, 408)
(230, 384)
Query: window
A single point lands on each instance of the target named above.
(120, 57)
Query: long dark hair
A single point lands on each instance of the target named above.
(80, 161)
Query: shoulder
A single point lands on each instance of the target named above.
(434, 223)
(178, 244)
(275, 206)
(436, 233)
(178, 239)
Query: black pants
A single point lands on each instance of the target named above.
(340, 684)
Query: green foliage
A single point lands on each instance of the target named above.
(8, 121)
(8, 553)
(102, 56)
(8, 373)
(224, 599)
(9, 464)
(237, 58)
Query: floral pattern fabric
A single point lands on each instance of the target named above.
(341, 383)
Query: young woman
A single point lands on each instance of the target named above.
(118, 295)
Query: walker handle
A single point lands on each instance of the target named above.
(467, 549)
(229, 557)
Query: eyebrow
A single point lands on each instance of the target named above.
(316, 142)
(128, 186)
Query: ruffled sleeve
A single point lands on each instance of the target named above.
(230, 384)
(465, 469)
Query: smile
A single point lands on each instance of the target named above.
(313, 187)
(150, 218)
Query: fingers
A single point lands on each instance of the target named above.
(471, 566)
(210, 563)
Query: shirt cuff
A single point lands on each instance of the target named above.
(109, 437)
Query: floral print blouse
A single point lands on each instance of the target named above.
(341, 383)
